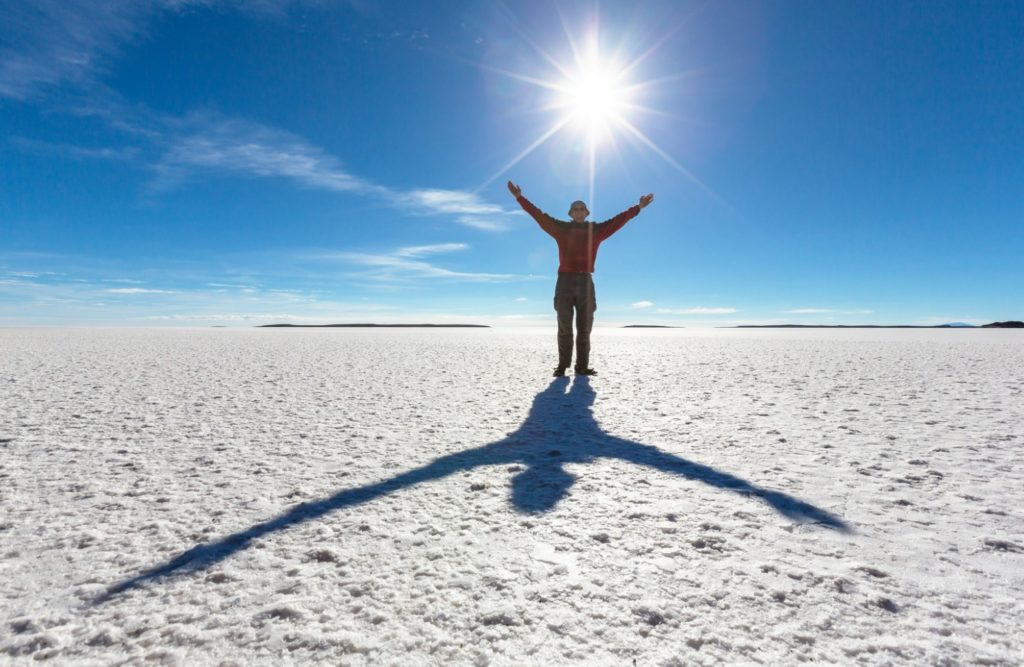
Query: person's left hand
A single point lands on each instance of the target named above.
(646, 199)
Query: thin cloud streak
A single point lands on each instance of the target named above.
(207, 143)
(70, 151)
(223, 145)
(83, 301)
(232, 286)
(50, 43)
(418, 251)
(467, 207)
(397, 267)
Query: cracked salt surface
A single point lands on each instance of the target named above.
(353, 497)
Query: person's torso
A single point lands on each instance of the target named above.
(577, 247)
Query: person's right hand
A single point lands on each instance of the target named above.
(514, 189)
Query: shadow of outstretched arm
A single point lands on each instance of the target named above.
(787, 505)
(502, 451)
(204, 555)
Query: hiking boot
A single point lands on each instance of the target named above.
(559, 372)
(585, 371)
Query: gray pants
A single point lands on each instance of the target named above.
(574, 291)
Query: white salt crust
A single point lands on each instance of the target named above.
(435, 497)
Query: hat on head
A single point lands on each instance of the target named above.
(578, 202)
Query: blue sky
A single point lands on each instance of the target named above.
(199, 163)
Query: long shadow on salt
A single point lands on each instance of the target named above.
(560, 429)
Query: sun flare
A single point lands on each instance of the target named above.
(594, 99)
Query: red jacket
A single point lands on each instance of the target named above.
(577, 241)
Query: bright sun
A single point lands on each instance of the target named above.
(595, 96)
(594, 99)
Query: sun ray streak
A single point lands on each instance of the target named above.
(522, 77)
(653, 112)
(543, 54)
(668, 158)
(577, 58)
(622, 160)
(593, 164)
(563, 70)
(649, 52)
(668, 78)
(529, 149)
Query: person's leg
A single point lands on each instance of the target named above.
(564, 299)
(586, 304)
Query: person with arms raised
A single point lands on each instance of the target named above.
(578, 240)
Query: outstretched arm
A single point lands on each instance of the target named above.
(608, 227)
(546, 222)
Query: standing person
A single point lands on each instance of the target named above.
(578, 241)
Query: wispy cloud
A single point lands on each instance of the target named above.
(49, 43)
(73, 152)
(467, 207)
(642, 304)
(74, 300)
(451, 201)
(221, 145)
(52, 42)
(419, 251)
(206, 144)
(404, 264)
(232, 286)
(696, 311)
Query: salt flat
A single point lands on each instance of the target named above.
(267, 496)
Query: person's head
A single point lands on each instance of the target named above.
(578, 211)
